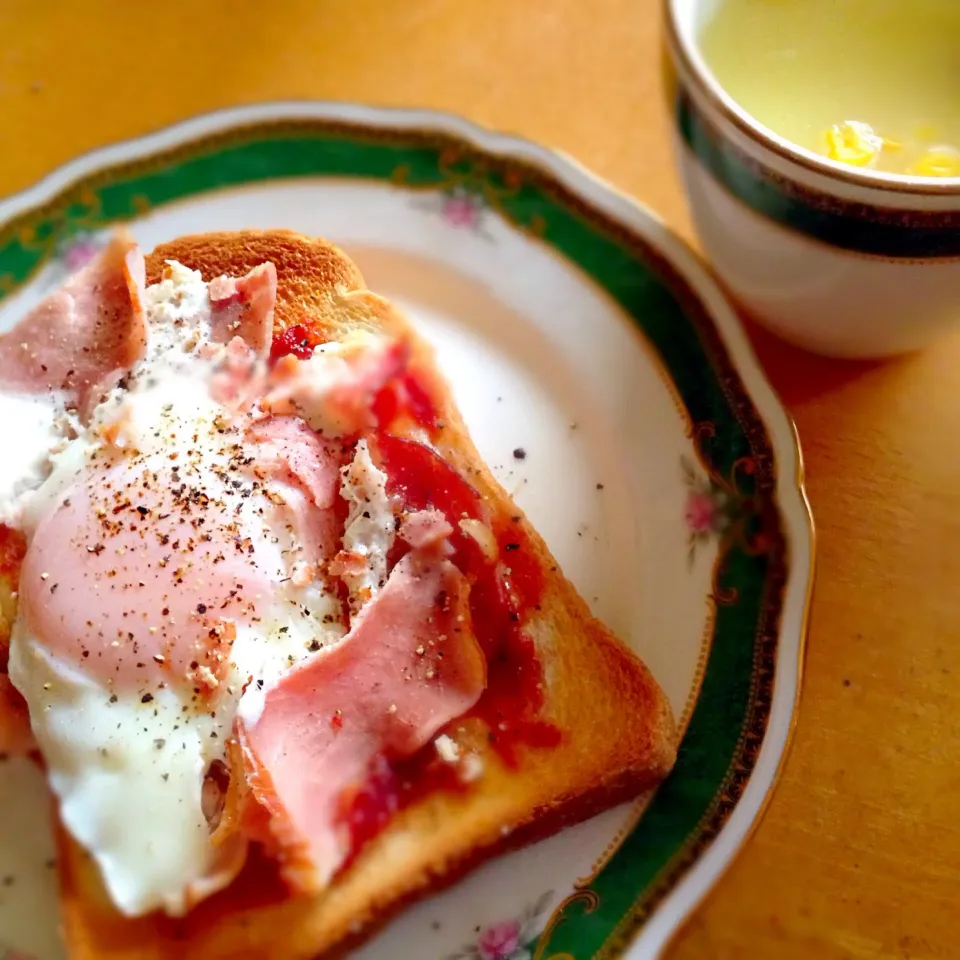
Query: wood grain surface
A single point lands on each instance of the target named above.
(859, 853)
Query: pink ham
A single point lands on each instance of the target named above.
(86, 333)
(307, 470)
(409, 666)
(240, 379)
(289, 447)
(424, 528)
(243, 307)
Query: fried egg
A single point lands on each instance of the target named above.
(176, 545)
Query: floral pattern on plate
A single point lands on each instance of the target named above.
(507, 939)
(707, 508)
(78, 250)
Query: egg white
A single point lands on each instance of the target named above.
(370, 527)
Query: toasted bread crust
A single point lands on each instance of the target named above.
(619, 736)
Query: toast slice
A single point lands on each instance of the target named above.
(618, 731)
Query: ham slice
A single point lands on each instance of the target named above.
(243, 307)
(424, 528)
(240, 379)
(83, 335)
(409, 666)
(289, 448)
(296, 463)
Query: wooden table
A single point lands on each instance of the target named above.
(859, 854)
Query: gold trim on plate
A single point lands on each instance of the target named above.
(711, 888)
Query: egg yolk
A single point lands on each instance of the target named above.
(937, 162)
(859, 145)
(856, 143)
(133, 581)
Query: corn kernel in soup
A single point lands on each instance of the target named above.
(872, 83)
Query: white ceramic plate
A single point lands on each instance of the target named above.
(659, 466)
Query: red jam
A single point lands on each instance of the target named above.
(295, 340)
(367, 809)
(391, 786)
(500, 595)
(419, 478)
(502, 592)
(419, 402)
(13, 548)
(406, 397)
(514, 696)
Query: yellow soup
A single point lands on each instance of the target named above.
(873, 83)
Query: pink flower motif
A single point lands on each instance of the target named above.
(460, 210)
(700, 513)
(500, 941)
(79, 254)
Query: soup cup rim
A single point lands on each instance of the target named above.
(687, 52)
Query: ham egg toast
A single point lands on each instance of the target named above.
(288, 653)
